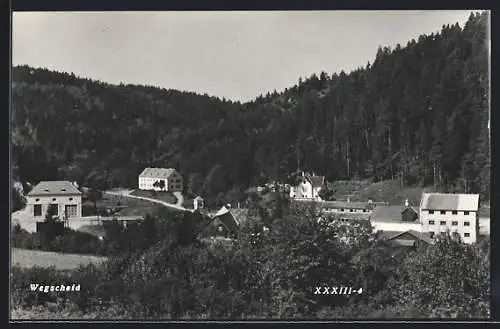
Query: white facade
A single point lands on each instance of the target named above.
(450, 213)
(65, 198)
(464, 223)
(303, 190)
(198, 203)
(171, 178)
(67, 206)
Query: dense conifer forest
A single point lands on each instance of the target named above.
(418, 113)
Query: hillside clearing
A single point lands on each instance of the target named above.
(157, 195)
(29, 258)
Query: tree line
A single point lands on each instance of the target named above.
(419, 113)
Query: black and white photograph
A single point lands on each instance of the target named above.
(250, 165)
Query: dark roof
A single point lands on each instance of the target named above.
(316, 180)
(45, 188)
(388, 214)
(409, 209)
(419, 235)
(448, 201)
(228, 221)
(344, 205)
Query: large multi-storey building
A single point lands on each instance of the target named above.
(455, 214)
(160, 179)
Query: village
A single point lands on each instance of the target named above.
(406, 224)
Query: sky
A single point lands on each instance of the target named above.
(235, 55)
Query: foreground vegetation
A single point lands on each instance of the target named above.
(419, 114)
(273, 274)
(26, 258)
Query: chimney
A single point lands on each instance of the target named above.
(348, 200)
(407, 204)
(238, 205)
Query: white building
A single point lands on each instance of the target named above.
(198, 203)
(307, 187)
(152, 178)
(456, 214)
(62, 196)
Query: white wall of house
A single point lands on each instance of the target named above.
(172, 183)
(146, 183)
(302, 191)
(397, 227)
(43, 202)
(198, 203)
(466, 224)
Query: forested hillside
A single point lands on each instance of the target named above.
(418, 113)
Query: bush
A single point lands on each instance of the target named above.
(21, 294)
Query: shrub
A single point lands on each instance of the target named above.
(21, 294)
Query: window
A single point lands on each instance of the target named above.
(70, 211)
(70, 199)
(466, 223)
(466, 235)
(431, 234)
(37, 210)
(342, 209)
(431, 212)
(364, 210)
(53, 199)
(37, 199)
(466, 212)
(351, 210)
(443, 222)
(55, 208)
(454, 223)
(454, 212)
(431, 222)
(443, 212)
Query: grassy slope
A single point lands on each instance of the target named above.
(29, 258)
(162, 196)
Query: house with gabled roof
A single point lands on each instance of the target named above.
(307, 186)
(62, 196)
(224, 223)
(447, 213)
(160, 179)
(410, 238)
